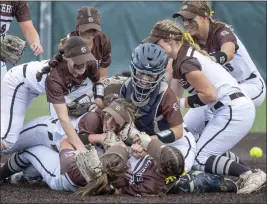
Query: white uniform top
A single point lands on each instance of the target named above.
(224, 83)
(241, 65)
(31, 71)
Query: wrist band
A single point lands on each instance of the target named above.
(182, 103)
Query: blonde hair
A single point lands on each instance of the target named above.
(201, 5)
(113, 168)
(181, 37)
(205, 6)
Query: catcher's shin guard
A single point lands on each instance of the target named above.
(201, 182)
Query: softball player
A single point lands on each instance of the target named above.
(61, 171)
(91, 127)
(20, 10)
(88, 27)
(209, 84)
(24, 82)
(224, 46)
(158, 112)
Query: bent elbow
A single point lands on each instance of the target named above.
(230, 56)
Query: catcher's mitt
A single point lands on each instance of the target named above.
(89, 164)
(12, 49)
(79, 106)
(128, 133)
(111, 140)
(112, 87)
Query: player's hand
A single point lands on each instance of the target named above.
(93, 107)
(99, 103)
(37, 48)
(138, 151)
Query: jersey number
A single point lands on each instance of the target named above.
(228, 67)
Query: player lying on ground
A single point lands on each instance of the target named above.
(23, 83)
(142, 176)
(67, 170)
(151, 170)
(219, 40)
(208, 83)
(91, 127)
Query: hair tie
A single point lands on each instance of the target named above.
(188, 36)
(211, 13)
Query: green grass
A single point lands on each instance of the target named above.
(39, 107)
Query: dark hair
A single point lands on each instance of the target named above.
(51, 64)
(125, 74)
(172, 161)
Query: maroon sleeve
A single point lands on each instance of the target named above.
(93, 71)
(190, 65)
(91, 123)
(22, 12)
(170, 109)
(106, 59)
(68, 165)
(54, 91)
(224, 35)
(67, 160)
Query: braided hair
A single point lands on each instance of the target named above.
(51, 64)
(172, 161)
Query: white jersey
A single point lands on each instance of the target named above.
(30, 80)
(5, 22)
(224, 83)
(241, 66)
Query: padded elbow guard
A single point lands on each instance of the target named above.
(98, 90)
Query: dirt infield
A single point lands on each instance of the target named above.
(42, 194)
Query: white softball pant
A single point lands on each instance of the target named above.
(15, 99)
(187, 145)
(46, 162)
(40, 131)
(255, 88)
(3, 69)
(226, 127)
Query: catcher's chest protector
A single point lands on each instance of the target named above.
(146, 116)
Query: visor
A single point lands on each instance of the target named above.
(185, 14)
(119, 120)
(81, 59)
(89, 26)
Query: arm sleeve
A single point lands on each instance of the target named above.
(170, 109)
(93, 72)
(189, 66)
(106, 59)
(224, 35)
(54, 91)
(22, 12)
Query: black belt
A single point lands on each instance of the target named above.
(233, 96)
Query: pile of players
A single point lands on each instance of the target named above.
(132, 128)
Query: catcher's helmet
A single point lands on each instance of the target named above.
(147, 59)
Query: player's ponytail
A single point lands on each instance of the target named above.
(45, 70)
(113, 167)
(51, 64)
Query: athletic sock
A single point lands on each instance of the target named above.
(224, 166)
